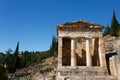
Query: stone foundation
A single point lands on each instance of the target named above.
(83, 73)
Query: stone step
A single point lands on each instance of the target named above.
(88, 78)
(109, 77)
(84, 73)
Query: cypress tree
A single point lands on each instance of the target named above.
(119, 30)
(54, 46)
(16, 57)
(114, 26)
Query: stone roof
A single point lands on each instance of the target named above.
(80, 21)
(80, 24)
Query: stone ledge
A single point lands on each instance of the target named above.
(108, 77)
(82, 71)
(81, 68)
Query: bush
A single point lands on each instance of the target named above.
(3, 73)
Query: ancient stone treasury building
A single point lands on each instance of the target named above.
(81, 53)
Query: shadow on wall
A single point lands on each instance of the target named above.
(108, 56)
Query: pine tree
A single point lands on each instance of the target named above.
(114, 26)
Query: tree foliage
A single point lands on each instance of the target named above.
(9, 59)
(3, 73)
(114, 29)
(114, 26)
(54, 46)
(2, 58)
(107, 31)
(15, 60)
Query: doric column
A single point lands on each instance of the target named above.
(102, 53)
(93, 45)
(73, 55)
(60, 52)
(88, 55)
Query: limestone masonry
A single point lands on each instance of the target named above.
(81, 54)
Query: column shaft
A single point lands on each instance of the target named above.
(93, 45)
(102, 53)
(88, 55)
(73, 55)
(60, 45)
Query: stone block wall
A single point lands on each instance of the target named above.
(84, 73)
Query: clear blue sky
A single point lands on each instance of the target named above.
(33, 22)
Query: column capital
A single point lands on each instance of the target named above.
(100, 37)
(87, 38)
(72, 38)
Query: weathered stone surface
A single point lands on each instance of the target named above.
(42, 71)
(84, 73)
(112, 49)
(70, 53)
(82, 45)
(109, 44)
(79, 34)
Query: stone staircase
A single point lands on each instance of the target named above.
(83, 73)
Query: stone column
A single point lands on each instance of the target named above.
(60, 52)
(73, 55)
(93, 45)
(102, 53)
(88, 55)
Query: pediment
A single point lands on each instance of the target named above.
(79, 24)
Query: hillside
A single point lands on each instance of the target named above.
(45, 69)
